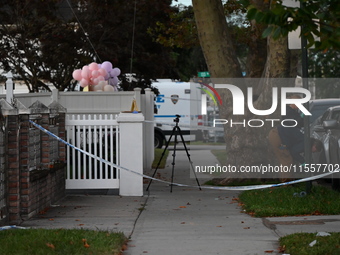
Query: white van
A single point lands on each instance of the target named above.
(178, 98)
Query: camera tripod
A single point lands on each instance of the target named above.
(175, 131)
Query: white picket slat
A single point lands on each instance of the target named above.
(98, 135)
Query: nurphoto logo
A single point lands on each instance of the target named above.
(239, 105)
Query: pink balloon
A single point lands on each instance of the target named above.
(101, 78)
(94, 73)
(93, 66)
(85, 72)
(77, 75)
(84, 82)
(102, 72)
(107, 66)
(95, 81)
(115, 71)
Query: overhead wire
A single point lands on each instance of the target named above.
(82, 28)
(89, 40)
(133, 38)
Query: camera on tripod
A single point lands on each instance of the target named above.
(177, 118)
(175, 131)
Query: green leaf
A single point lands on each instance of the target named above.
(252, 13)
(277, 33)
(267, 31)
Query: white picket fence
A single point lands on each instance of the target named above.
(97, 122)
(98, 135)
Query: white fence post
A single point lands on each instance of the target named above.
(55, 95)
(148, 110)
(9, 87)
(131, 153)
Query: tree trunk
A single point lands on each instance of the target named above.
(245, 145)
(215, 39)
(257, 53)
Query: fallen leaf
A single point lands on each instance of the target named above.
(282, 249)
(271, 251)
(182, 206)
(51, 219)
(50, 245)
(188, 203)
(124, 247)
(218, 226)
(246, 228)
(242, 221)
(86, 245)
(80, 224)
(183, 222)
(84, 240)
(317, 213)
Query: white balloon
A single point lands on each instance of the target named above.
(108, 88)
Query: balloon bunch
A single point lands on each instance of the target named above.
(98, 77)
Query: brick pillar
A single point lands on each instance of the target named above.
(60, 185)
(58, 154)
(45, 142)
(24, 161)
(62, 135)
(13, 169)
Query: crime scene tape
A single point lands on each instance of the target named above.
(235, 188)
(12, 227)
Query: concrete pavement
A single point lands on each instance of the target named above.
(96, 212)
(187, 221)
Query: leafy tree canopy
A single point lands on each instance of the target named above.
(45, 41)
(320, 19)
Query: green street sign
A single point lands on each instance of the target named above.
(203, 74)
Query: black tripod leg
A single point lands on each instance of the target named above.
(173, 159)
(188, 155)
(159, 162)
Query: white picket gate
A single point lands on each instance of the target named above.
(98, 135)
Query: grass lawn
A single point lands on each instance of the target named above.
(292, 201)
(158, 155)
(299, 244)
(60, 241)
(289, 201)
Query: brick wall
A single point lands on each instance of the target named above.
(35, 163)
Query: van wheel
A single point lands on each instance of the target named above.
(158, 141)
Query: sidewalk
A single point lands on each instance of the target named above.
(190, 221)
(187, 221)
(96, 212)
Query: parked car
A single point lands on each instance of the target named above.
(212, 134)
(317, 129)
(318, 106)
(331, 140)
(322, 109)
